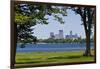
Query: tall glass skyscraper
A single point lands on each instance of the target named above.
(71, 33)
(61, 35)
(52, 35)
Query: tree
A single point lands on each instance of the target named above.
(34, 39)
(25, 19)
(87, 16)
(28, 15)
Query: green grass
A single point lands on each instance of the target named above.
(38, 58)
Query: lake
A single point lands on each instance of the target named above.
(52, 47)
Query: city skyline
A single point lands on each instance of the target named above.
(72, 22)
(61, 35)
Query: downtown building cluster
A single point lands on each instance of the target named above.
(60, 35)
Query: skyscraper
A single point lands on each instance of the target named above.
(52, 35)
(72, 36)
(71, 33)
(61, 34)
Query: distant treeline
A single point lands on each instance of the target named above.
(50, 40)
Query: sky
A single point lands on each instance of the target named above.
(72, 23)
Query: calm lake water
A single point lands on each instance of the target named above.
(52, 47)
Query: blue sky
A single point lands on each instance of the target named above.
(72, 22)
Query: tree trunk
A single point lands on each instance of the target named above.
(88, 34)
(87, 51)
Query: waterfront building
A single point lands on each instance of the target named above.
(71, 33)
(61, 36)
(57, 36)
(72, 36)
(52, 35)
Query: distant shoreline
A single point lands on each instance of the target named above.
(59, 43)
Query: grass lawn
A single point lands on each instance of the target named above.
(38, 58)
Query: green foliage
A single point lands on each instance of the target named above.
(24, 33)
(36, 13)
(29, 15)
(20, 19)
(87, 14)
(59, 19)
(50, 40)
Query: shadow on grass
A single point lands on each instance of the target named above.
(50, 59)
(29, 62)
(66, 57)
(34, 62)
(72, 57)
(27, 59)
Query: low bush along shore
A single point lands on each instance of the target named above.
(38, 58)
